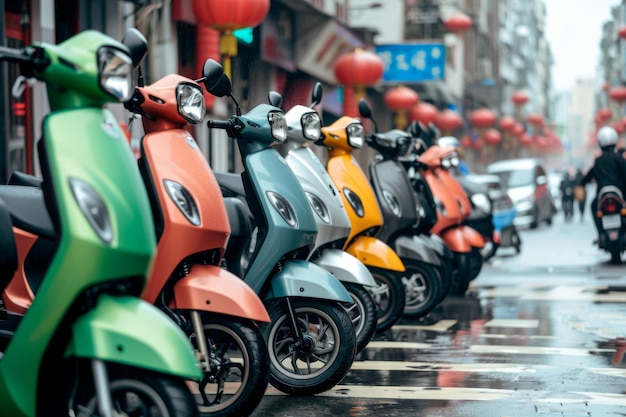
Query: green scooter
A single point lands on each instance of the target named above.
(88, 345)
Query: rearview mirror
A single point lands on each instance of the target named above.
(136, 44)
(316, 95)
(364, 109)
(212, 72)
(275, 99)
(415, 129)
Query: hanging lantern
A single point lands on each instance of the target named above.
(492, 137)
(618, 94)
(482, 118)
(466, 141)
(519, 98)
(425, 113)
(507, 123)
(448, 120)
(227, 16)
(622, 32)
(458, 23)
(603, 114)
(618, 126)
(358, 69)
(536, 120)
(401, 99)
(541, 142)
(525, 139)
(517, 129)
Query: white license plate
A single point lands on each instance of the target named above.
(612, 221)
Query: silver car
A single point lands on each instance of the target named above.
(527, 185)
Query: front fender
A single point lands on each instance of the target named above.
(130, 331)
(455, 240)
(300, 278)
(345, 267)
(417, 249)
(472, 237)
(375, 253)
(213, 289)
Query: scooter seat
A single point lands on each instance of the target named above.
(609, 189)
(8, 248)
(21, 178)
(231, 184)
(28, 209)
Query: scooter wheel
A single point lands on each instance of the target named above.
(422, 287)
(321, 357)
(389, 297)
(475, 262)
(362, 313)
(135, 390)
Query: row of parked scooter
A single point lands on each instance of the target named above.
(157, 286)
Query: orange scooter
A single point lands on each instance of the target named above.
(341, 138)
(187, 281)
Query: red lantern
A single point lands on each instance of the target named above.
(507, 123)
(519, 98)
(618, 94)
(517, 129)
(229, 15)
(536, 120)
(466, 141)
(525, 139)
(458, 23)
(359, 68)
(541, 142)
(478, 144)
(401, 98)
(424, 113)
(603, 114)
(448, 120)
(482, 118)
(618, 126)
(492, 137)
(622, 32)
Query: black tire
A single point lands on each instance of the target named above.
(290, 362)
(461, 281)
(422, 288)
(362, 313)
(475, 263)
(489, 250)
(388, 296)
(135, 390)
(240, 360)
(446, 275)
(517, 242)
(616, 255)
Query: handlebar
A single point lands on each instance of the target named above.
(218, 124)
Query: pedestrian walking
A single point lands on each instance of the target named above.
(580, 193)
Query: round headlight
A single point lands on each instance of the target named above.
(355, 135)
(115, 72)
(93, 208)
(284, 208)
(355, 202)
(318, 207)
(183, 200)
(190, 102)
(278, 125)
(311, 126)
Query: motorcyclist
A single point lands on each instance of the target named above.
(608, 169)
(567, 195)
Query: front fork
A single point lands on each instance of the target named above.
(103, 393)
(209, 363)
(302, 342)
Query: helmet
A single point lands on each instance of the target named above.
(448, 141)
(607, 136)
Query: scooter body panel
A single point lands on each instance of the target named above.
(299, 278)
(268, 172)
(129, 331)
(455, 240)
(213, 289)
(375, 253)
(315, 180)
(472, 237)
(18, 295)
(173, 155)
(417, 248)
(345, 267)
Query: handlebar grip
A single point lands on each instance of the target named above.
(218, 124)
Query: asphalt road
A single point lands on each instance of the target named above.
(539, 333)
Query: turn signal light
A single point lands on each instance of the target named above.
(599, 213)
(623, 211)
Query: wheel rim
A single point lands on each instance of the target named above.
(231, 365)
(416, 290)
(381, 294)
(130, 398)
(321, 348)
(356, 313)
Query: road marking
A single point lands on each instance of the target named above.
(443, 367)
(440, 326)
(559, 293)
(513, 323)
(397, 345)
(537, 350)
(591, 398)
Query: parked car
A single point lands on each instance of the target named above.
(526, 183)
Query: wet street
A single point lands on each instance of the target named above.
(539, 333)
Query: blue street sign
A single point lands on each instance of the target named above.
(412, 62)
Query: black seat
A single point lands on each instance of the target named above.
(21, 178)
(230, 184)
(8, 248)
(28, 209)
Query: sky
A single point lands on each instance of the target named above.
(574, 29)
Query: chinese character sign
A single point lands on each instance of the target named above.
(413, 62)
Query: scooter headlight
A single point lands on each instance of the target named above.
(278, 125)
(445, 163)
(284, 208)
(482, 202)
(440, 207)
(355, 202)
(94, 209)
(392, 202)
(115, 70)
(318, 207)
(355, 135)
(311, 126)
(183, 200)
(190, 102)
(454, 161)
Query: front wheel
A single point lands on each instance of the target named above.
(362, 313)
(475, 262)
(389, 297)
(422, 287)
(321, 357)
(136, 392)
(238, 373)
